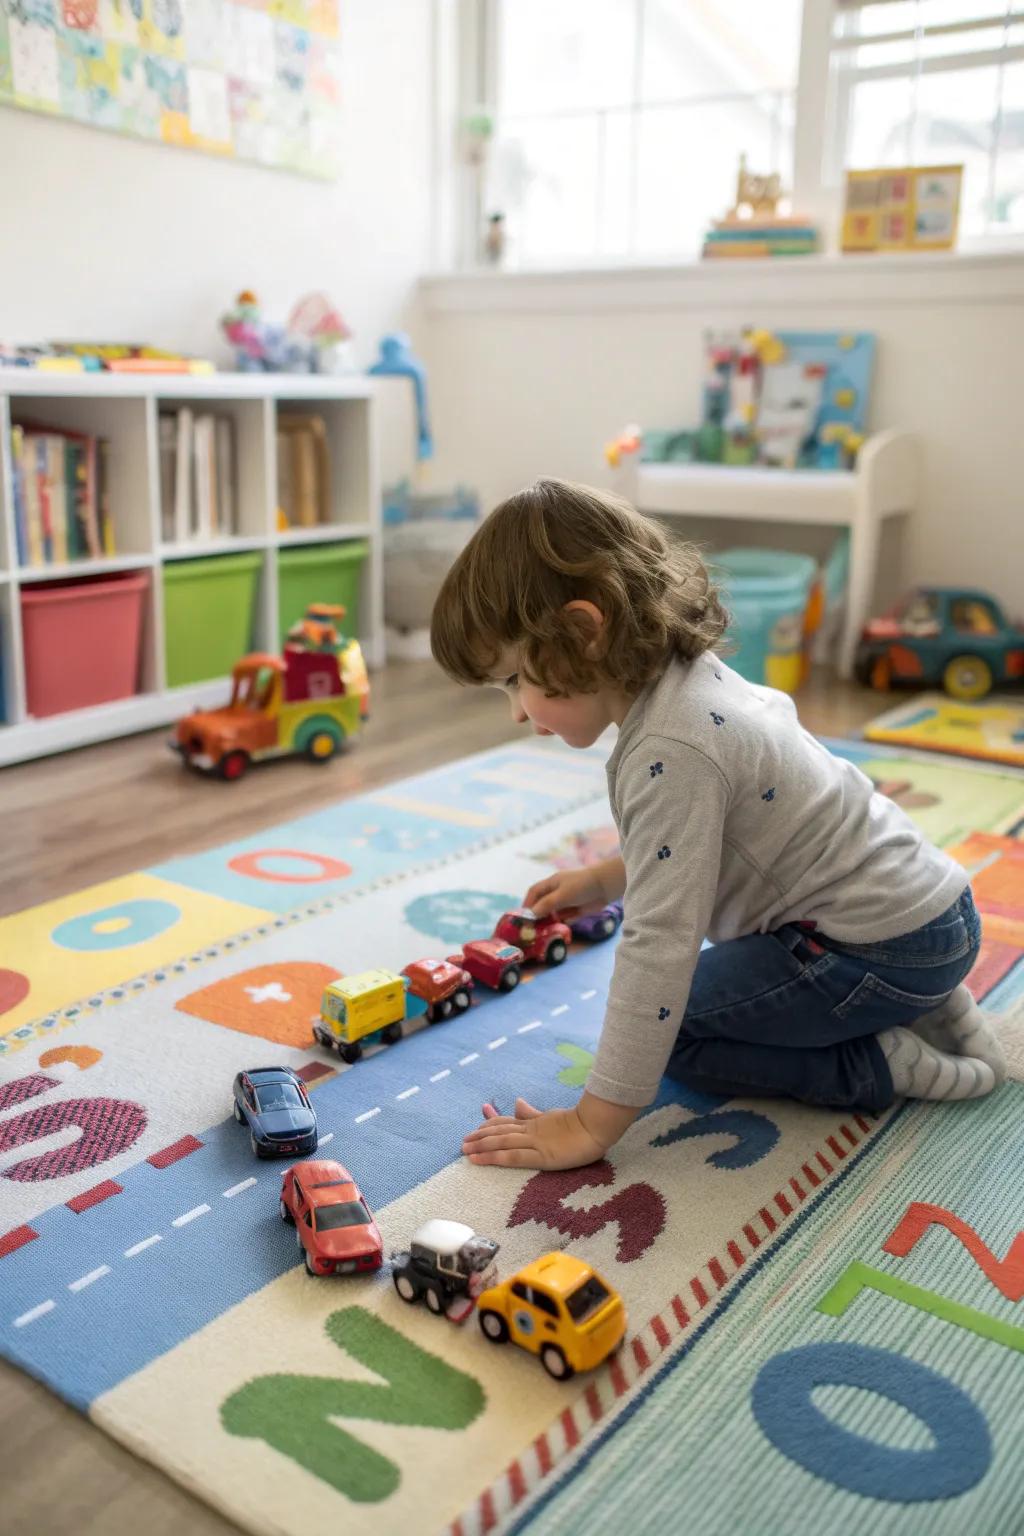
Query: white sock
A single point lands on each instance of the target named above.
(959, 1028)
(920, 1071)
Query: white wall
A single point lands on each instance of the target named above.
(110, 238)
(531, 375)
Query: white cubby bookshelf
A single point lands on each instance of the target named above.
(125, 409)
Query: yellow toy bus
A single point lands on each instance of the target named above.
(356, 1011)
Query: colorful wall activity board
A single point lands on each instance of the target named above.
(246, 79)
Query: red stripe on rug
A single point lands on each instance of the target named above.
(736, 1253)
(94, 1196)
(618, 1377)
(455, 1529)
(823, 1160)
(782, 1203)
(681, 1315)
(516, 1482)
(839, 1151)
(660, 1332)
(175, 1152)
(810, 1175)
(640, 1354)
(798, 1189)
(572, 1434)
(543, 1450)
(488, 1518)
(593, 1398)
(851, 1138)
(700, 1295)
(751, 1236)
(16, 1238)
(313, 1071)
(768, 1219)
(862, 1123)
(716, 1272)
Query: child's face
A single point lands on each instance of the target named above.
(578, 719)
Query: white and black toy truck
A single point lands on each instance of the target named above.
(447, 1265)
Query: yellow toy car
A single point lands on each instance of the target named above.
(357, 1011)
(559, 1308)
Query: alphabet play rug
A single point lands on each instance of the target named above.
(823, 1307)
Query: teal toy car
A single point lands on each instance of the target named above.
(950, 637)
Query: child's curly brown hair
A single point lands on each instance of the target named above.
(551, 544)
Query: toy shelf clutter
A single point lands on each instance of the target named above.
(883, 484)
(126, 411)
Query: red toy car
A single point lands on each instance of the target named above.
(496, 964)
(333, 1224)
(540, 938)
(444, 987)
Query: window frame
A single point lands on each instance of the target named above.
(472, 28)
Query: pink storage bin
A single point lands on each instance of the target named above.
(82, 641)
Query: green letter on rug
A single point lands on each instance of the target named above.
(293, 1413)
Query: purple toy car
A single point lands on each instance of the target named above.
(598, 925)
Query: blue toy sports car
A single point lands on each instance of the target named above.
(274, 1104)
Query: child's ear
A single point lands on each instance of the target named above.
(594, 616)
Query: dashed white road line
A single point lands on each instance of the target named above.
(323, 1140)
(473, 1056)
(147, 1242)
(586, 996)
(30, 1317)
(368, 1114)
(183, 1221)
(492, 1045)
(236, 1189)
(407, 1093)
(524, 1029)
(438, 1075)
(94, 1274)
(562, 1008)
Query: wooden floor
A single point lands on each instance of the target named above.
(72, 820)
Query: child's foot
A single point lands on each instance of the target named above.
(920, 1071)
(959, 1028)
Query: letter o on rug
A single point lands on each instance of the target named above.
(786, 1413)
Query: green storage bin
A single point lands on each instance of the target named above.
(208, 615)
(320, 573)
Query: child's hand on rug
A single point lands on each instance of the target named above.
(571, 892)
(550, 1138)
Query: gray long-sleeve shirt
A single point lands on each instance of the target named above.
(734, 820)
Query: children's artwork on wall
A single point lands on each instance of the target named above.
(245, 79)
(913, 208)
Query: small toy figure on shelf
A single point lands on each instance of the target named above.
(334, 1227)
(274, 1104)
(397, 360)
(495, 239)
(310, 701)
(942, 635)
(447, 1266)
(559, 1308)
(309, 343)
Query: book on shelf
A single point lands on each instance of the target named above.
(303, 470)
(61, 487)
(198, 500)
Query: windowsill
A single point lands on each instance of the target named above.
(968, 276)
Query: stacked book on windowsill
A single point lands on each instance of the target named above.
(61, 487)
(747, 239)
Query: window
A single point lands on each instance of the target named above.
(936, 82)
(619, 123)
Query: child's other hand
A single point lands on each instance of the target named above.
(567, 892)
(532, 1138)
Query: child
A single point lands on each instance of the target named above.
(841, 937)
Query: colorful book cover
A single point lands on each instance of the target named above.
(108, 542)
(30, 491)
(74, 482)
(42, 457)
(57, 490)
(18, 492)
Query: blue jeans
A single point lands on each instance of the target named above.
(793, 1014)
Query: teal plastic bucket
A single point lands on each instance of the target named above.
(766, 591)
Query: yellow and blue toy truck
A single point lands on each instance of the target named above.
(357, 1011)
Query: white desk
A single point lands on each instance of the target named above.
(884, 484)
